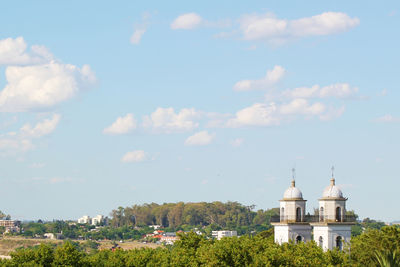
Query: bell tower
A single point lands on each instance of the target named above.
(291, 224)
(333, 227)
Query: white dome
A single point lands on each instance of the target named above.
(292, 192)
(332, 191)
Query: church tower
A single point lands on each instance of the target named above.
(291, 224)
(333, 227)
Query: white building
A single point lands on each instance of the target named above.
(292, 224)
(85, 219)
(225, 233)
(97, 220)
(333, 227)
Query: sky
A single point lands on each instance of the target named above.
(106, 104)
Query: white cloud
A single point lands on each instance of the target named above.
(332, 113)
(137, 35)
(122, 125)
(268, 27)
(21, 141)
(140, 29)
(338, 90)
(261, 114)
(258, 114)
(43, 128)
(237, 142)
(388, 118)
(13, 145)
(186, 21)
(200, 139)
(42, 83)
(301, 106)
(13, 52)
(167, 121)
(272, 77)
(42, 86)
(134, 156)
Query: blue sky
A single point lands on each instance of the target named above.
(105, 105)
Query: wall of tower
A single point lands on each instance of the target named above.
(286, 232)
(290, 208)
(330, 233)
(329, 209)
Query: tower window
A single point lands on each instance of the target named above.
(282, 214)
(320, 242)
(298, 215)
(338, 214)
(321, 214)
(339, 243)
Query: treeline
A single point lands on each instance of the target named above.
(372, 248)
(174, 215)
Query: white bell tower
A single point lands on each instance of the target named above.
(333, 227)
(291, 224)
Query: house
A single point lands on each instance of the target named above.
(224, 233)
(85, 219)
(169, 238)
(10, 225)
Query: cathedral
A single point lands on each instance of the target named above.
(330, 228)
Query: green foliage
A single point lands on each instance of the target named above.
(387, 258)
(372, 248)
(68, 255)
(373, 242)
(185, 216)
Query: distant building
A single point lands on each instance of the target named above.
(225, 233)
(168, 238)
(99, 219)
(10, 225)
(85, 219)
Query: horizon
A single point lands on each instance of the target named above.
(132, 103)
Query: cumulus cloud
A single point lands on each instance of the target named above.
(122, 125)
(332, 113)
(301, 106)
(167, 121)
(200, 139)
(259, 114)
(271, 78)
(268, 27)
(134, 156)
(338, 90)
(387, 118)
(186, 21)
(14, 52)
(137, 35)
(140, 29)
(42, 128)
(35, 81)
(21, 141)
(13, 145)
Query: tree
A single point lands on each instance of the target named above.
(68, 255)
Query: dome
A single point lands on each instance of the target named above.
(292, 192)
(332, 191)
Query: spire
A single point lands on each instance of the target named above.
(293, 175)
(333, 177)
